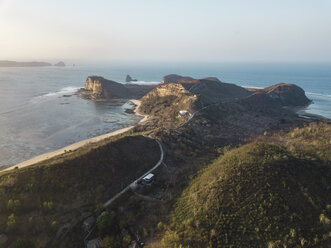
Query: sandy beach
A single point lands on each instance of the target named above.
(79, 144)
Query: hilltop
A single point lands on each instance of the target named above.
(198, 96)
(264, 194)
(40, 203)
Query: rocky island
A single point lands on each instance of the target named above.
(214, 165)
(129, 79)
(60, 64)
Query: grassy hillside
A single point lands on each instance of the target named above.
(274, 192)
(35, 202)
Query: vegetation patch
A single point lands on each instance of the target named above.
(259, 195)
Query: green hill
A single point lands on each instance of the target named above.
(37, 202)
(260, 195)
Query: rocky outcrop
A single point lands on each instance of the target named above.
(169, 98)
(99, 88)
(174, 78)
(288, 94)
(172, 89)
(206, 91)
(60, 64)
(129, 79)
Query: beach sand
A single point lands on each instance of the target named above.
(77, 145)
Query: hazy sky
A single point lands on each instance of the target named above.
(166, 30)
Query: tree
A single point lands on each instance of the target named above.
(160, 226)
(104, 223)
(11, 221)
(13, 205)
(54, 226)
(108, 242)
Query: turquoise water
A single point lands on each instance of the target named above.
(35, 117)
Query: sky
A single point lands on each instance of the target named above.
(166, 30)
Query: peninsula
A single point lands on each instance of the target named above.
(6, 63)
(215, 164)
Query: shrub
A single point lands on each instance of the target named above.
(11, 222)
(104, 223)
(160, 226)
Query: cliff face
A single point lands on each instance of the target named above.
(99, 88)
(198, 93)
(172, 89)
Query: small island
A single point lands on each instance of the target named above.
(129, 79)
(60, 64)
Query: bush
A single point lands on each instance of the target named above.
(14, 205)
(160, 226)
(104, 223)
(11, 222)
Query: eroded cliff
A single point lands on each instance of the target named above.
(99, 88)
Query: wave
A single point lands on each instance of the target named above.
(64, 91)
(143, 82)
(318, 94)
(253, 87)
(43, 97)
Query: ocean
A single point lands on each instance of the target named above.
(39, 112)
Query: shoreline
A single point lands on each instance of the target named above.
(301, 112)
(75, 146)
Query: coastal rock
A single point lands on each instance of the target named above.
(129, 79)
(105, 89)
(99, 88)
(168, 99)
(60, 64)
(288, 94)
(174, 78)
(209, 90)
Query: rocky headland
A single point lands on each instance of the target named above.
(99, 88)
(166, 100)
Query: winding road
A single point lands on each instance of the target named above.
(134, 183)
